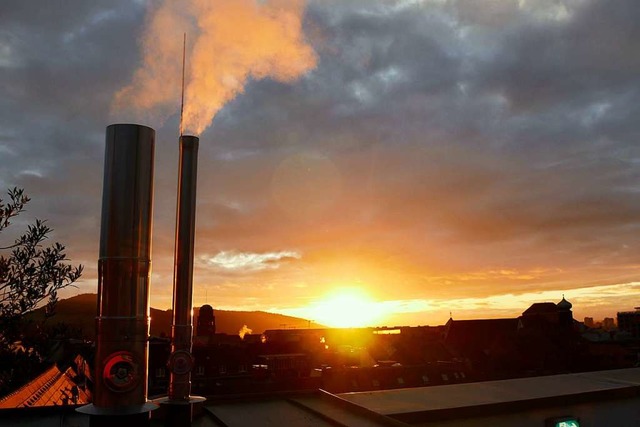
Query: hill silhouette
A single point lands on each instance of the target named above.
(79, 313)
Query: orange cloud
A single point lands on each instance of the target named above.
(229, 42)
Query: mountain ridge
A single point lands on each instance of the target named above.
(79, 312)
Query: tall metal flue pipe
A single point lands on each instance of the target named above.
(179, 400)
(124, 267)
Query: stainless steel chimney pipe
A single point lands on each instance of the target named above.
(179, 403)
(124, 267)
(181, 360)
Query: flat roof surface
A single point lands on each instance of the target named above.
(490, 393)
(381, 408)
(275, 413)
(300, 411)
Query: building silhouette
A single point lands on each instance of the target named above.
(629, 321)
(206, 323)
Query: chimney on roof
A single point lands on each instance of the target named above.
(179, 402)
(124, 267)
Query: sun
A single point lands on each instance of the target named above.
(346, 308)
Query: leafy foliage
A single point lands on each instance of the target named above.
(31, 273)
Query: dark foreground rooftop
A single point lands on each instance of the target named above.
(488, 398)
(593, 398)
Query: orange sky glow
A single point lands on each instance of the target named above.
(361, 162)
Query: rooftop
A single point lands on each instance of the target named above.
(394, 407)
(430, 403)
(51, 388)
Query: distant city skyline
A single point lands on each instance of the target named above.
(410, 157)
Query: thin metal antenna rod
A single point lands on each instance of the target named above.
(184, 48)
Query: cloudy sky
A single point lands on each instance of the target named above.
(464, 156)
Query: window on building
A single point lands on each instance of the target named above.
(445, 377)
(199, 370)
(425, 379)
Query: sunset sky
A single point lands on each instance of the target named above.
(403, 158)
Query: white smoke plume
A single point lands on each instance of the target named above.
(244, 331)
(228, 42)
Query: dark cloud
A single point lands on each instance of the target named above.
(433, 144)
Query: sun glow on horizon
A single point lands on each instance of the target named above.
(345, 308)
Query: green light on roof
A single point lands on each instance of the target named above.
(568, 423)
